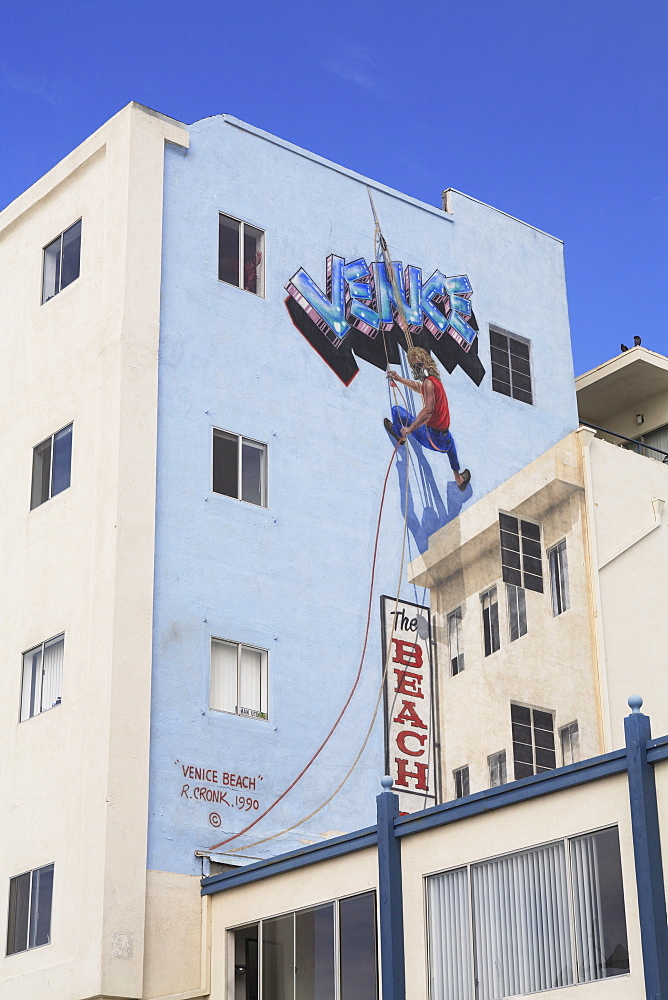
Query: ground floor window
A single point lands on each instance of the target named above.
(327, 952)
(536, 920)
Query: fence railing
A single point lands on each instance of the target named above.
(657, 454)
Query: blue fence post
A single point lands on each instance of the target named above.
(391, 907)
(647, 853)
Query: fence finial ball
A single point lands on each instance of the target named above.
(387, 782)
(635, 702)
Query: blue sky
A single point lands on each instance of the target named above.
(552, 110)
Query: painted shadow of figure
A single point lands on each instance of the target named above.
(435, 512)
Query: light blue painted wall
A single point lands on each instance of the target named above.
(294, 578)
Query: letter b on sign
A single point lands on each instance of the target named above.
(408, 654)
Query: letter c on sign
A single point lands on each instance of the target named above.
(404, 735)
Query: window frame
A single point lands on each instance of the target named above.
(335, 901)
(46, 246)
(569, 729)
(507, 569)
(456, 615)
(518, 616)
(31, 904)
(261, 716)
(560, 592)
(261, 276)
(537, 768)
(51, 439)
(461, 777)
(502, 757)
(500, 332)
(468, 929)
(264, 485)
(41, 646)
(493, 649)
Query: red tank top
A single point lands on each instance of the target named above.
(440, 418)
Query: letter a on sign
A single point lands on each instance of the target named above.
(409, 703)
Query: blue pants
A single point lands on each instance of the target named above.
(427, 436)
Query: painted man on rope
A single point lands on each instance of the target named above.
(431, 426)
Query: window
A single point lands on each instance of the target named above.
(239, 468)
(454, 621)
(543, 918)
(521, 561)
(324, 951)
(570, 743)
(461, 776)
(51, 466)
(517, 611)
(29, 920)
(490, 621)
(559, 578)
(42, 684)
(511, 366)
(240, 254)
(238, 679)
(497, 769)
(533, 741)
(62, 258)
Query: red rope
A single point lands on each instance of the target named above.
(352, 690)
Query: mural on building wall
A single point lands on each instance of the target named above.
(358, 316)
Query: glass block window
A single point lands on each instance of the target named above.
(511, 366)
(521, 560)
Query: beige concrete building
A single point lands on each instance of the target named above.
(548, 592)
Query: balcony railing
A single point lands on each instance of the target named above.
(631, 443)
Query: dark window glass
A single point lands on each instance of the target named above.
(29, 918)
(278, 958)
(533, 740)
(51, 477)
(454, 622)
(246, 963)
(315, 968)
(40, 917)
(252, 466)
(252, 259)
(600, 916)
(521, 561)
(497, 769)
(511, 368)
(490, 622)
(559, 578)
(226, 464)
(62, 460)
(62, 261)
(461, 776)
(228, 250)
(41, 473)
(19, 909)
(71, 256)
(357, 919)
(517, 611)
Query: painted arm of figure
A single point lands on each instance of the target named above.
(428, 403)
(415, 386)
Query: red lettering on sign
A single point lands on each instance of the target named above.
(408, 683)
(404, 735)
(408, 714)
(408, 654)
(419, 774)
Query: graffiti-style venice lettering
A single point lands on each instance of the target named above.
(358, 315)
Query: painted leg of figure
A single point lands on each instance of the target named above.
(443, 441)
(400, 418)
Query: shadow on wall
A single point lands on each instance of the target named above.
(428, 511)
